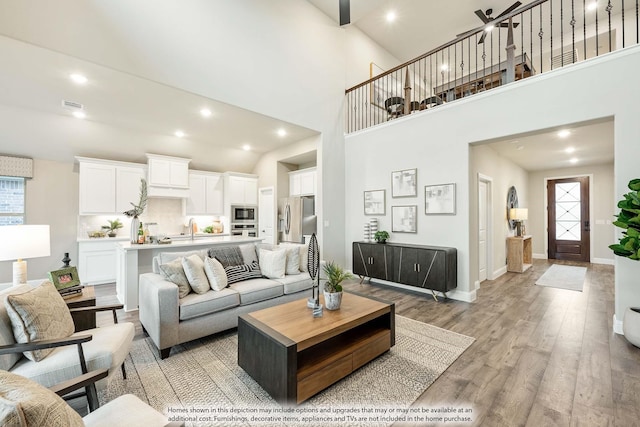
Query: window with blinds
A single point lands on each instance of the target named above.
(12, 200)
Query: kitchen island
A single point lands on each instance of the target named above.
(133, 260)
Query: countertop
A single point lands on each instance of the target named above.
(126, 238)
(198, 241)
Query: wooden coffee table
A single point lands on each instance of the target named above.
(293, 355)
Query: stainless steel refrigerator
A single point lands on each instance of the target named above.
(296, 218)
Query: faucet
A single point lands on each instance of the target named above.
(191, 227)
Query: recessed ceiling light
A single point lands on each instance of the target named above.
(391, 16)
(574, 160)
(282, 132)
(488, 28)
(246, 147)
(205, 112)
(569, 150)
(78, 78)
(79, 114)
(592, 6)
(179, 133)
(564, 133)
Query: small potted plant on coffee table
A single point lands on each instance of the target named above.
(332, 287)
(381, 236)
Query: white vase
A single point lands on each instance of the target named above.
(332, 300)
(135, 225)
(631, 325)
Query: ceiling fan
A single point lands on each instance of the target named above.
(486, 18)
(345, 12)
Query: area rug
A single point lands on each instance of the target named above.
(201, 380)
(563, 277)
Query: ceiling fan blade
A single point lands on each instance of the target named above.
(509, 9)
(482, 16)
(345, 12)
(482, 37)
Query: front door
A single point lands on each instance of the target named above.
(568, 219)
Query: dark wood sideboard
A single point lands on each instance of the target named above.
(427, 267)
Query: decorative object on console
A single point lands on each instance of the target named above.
(332, 287)
(66, 260)
(137, 211)
(404, 183)
(518, 215)
(440, 199)
(404, 219)
(381, 236)
(367, 232)
(512, 202)
(27, 241)
(374, 202)
(313, 267)
(373, 228)
(112, 228)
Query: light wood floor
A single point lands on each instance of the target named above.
(542, 356)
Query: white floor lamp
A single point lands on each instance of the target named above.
(23, 241)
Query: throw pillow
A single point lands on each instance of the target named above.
(293, 261)
(215, 273)
(27, 403)
(194, 270)
(39, 314)
(248, 253)
(174, 272)
(227, 255)
(273, 263)
(238, 273)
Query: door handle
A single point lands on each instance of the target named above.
(418, 268)
(586, 226)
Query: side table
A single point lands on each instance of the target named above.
(83, 321)
(519, 257)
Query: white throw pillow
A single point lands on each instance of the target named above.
(215, 273)
(273, 263)
(293, 261)
(194, 270)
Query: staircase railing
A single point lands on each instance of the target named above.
(533, 39)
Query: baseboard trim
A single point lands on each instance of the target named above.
(539, 256)
(477, 285)
(605, 261)
(617, 326)
(499, 272)
(454, 294)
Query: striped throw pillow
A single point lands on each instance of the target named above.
(238, 273)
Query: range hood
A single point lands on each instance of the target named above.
(168, 177)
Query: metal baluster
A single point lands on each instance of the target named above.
(540, 34)
(469, 54)
(530, 34)
(455, 66)
(623, 24)
(573, 33)
(584, 28)
(561, 34)
(551, 30)
(449, 71)
(637, 28)
(522, 57)
(608, 9)
(597, 52)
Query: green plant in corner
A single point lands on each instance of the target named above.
(629, 221)
(335, 276)
(381, 236)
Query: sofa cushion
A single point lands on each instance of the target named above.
(295, 282)
(238, 273)
(227, 255)
(293, 261)
(273, 263)
(194, 305)
(165, 257)
(6, 331)
(194, 270)
(174, 272)
(248, 253)
(215, 273)
(25, 403)
(255, 290)
(39, 314)
(303, 253)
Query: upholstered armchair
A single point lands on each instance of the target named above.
(37, 339)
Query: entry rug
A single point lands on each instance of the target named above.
(563, 277)
(202, 380)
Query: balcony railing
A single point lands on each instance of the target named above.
(541, 36)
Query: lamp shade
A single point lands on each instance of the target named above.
(24, 241)
(519, 214)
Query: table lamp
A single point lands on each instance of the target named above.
(23, 241)
(518, 215)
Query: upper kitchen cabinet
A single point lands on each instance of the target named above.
(302, 182)
(170, 172)
(108, 187)
(206, 193)
(241, 189)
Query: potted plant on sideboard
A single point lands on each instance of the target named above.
(332, 287)
(113, 227)
(381, 236)
(629, 247)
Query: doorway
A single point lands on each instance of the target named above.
(569, 227)
(266, 215)
(485, 219)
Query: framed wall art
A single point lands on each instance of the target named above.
(440, 199)
(374, 202)
(404, 183)
(404, 219)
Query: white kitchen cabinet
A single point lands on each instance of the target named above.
(97, 261)
(128, 186)
(170, 172)
(206, 194)
(302, 182)
(241, 190)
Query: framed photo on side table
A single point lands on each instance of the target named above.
(404, 183)
(440, 199)
(374, 202)
(64, 278)
(404, 219)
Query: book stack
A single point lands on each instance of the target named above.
(70, 292)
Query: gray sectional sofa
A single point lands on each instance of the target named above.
(170, 320)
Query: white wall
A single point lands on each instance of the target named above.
(602, 208)
(437, 142)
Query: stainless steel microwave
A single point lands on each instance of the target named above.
(244, 213)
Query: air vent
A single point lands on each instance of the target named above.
(71, 105)
(566, 58)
